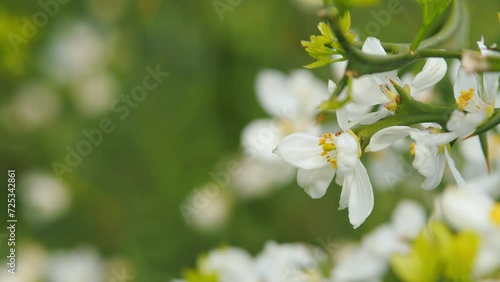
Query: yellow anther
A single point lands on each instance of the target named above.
(465, 97)
(334, 163)
(328, 147)
(412, 149)
(321, 141)
(495, 214)
(324, 153)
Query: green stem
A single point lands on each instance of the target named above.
(420, 36)
(410, 112)
(361, 63)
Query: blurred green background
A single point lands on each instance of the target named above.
(125, 195)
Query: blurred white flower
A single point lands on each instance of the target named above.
(82, 264)
(258, 178)
(45, 197)
(32, 262)
(370, 261)
(211, 209)
(76, 50)
(230, 264)
(292, 103)
(94, 94)
(287, 262)
(36, 105)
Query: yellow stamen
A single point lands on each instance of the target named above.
(328, 147)
(334, 163)
(412, 149)
(465, 97)
(495, 214)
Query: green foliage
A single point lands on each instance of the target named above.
(436, 254)
(322, 47)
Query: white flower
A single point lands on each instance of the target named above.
(34, 258)
(80, 265)
(287, 262)
(35, 106)
(45, 198)
(291, 101)
(258, 178)
(430, 151)
(377, 89)
(77, 50)
(209, 211)
(230, 264)
(370, 261)
(475, 98)
(94, 93)
(320, 158)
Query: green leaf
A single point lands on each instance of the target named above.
(483, 138)
(460, 265)
(194, 275)
(420, 264)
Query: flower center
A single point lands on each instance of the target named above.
(465, 98)
(328, 144)
(495, 214)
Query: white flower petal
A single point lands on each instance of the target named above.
(464, 209)
(361, 265)
(387, 136)
(274, 93)
(366, 91)
(331, 86)
(436, 174)
(456, 174)
(408, 219)
(384, 242)
(347, 152)
(301, 150)
(260, 137)
(315, 181)
(373, 46)
(490, 85)
(464, 123)
(343, 119)
(308, 91)
(370, 118)
(361, 195)
(425, 160)
(433, 71)
(465, 81)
